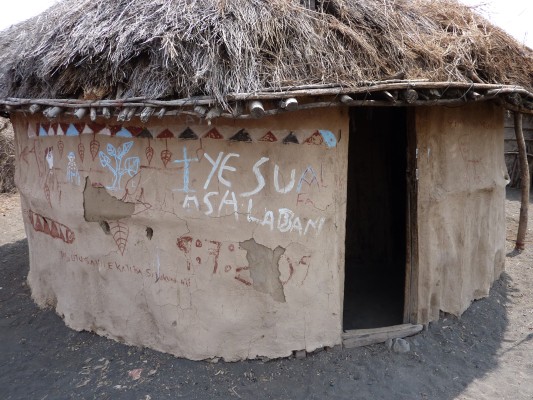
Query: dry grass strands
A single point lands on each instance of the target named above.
(97, 49)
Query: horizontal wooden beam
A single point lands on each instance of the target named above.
(365, 337)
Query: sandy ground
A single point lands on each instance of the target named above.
(486, 354)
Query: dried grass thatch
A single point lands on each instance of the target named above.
(7, 157)
(182, 48)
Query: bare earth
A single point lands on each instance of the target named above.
(486, 354)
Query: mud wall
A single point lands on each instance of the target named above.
(198, 240)
(461, 219)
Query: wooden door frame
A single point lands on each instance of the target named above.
(410, 313)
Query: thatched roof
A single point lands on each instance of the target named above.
(172, 49)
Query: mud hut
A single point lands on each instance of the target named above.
(250, 178)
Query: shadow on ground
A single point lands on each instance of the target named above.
(41, 358)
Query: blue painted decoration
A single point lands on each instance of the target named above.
(329, 138)
(131, 164)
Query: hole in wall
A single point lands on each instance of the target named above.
(105, 227)
(149, 233)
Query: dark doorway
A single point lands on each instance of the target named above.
(376, 212)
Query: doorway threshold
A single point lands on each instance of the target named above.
(364, 337)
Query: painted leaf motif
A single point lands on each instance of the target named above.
(111, 150)
(120, 232)
(95, 148)
(131, 165)
(149, 154)
(124, 150)
(166, 155)
(81, 151)
(105, 160)
(60, 147)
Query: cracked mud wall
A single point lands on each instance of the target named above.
(230, 243)
(462, 179)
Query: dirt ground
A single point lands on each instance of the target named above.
(486, 354)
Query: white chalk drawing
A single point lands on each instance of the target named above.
(49, 157)
(186, 168)
(260, 179)
(130, 165)
(221, 165)
(51, 183)
(73, 175)
(224, 203)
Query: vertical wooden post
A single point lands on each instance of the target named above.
(410, 312)
(524, 182)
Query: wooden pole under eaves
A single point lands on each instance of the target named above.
(524, 182)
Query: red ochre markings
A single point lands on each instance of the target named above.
(149, 152)
(269, 137)
(166, 134)
(114, 129)
(134, 130)
(210, 254)
(166, 156)
(51, 228)
(94, 148)
(184, 244)
(96, 128)
(213, 134)
(238, 278)
(316, 139)
(120, 232)
(62, 129)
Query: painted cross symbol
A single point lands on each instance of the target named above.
(186, 167)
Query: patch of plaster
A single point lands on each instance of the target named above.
(99, 205)
(264, 268)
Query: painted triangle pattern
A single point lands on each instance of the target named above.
(166, 134)
(241, 136)
(51, 228)
(269, 137)
(291, 138)
(213, 134)
(188, 134)
(318, 138)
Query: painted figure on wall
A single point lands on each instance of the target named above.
(51, 184)
(73, 175)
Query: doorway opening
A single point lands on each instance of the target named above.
(376, 218)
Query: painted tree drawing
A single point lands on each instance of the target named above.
(130, 165)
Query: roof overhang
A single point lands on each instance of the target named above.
(398, 93)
